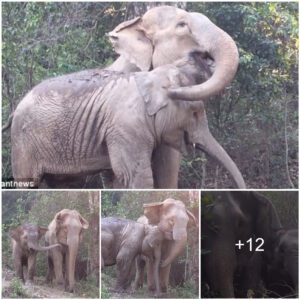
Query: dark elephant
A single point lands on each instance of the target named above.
(230, 218)
(281, 273)
(25, 246)
(123, 240)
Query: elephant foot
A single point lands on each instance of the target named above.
(151, 288)
(157, 295)
(164, 289)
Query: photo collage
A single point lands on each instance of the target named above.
(150, 150)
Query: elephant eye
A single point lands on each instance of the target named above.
(181, 24)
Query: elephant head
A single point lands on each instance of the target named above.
(165, 34)
(193, 128)
(172, 218)
(153, 239)
(28, 236)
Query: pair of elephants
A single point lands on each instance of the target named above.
(229, 271)
(133, 118)
(155, 239)
(63, 237)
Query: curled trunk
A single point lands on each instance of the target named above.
(219, 46)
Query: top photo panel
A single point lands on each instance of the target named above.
(135, 95)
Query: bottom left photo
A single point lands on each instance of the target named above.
(50, 244)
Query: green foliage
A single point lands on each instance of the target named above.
(16, 290)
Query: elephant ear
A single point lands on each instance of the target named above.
(15, 233)
(267, 220)
(192, 219)
(152, 212)
(42, 231)
(129, 40)
(153, 93)
(84, 222)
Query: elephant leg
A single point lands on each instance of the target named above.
(19, 268)
(150, 276)
(50, 272)
(132, 170)
(166, 164)
(31, 267)
(139, 272)
(164, 274)
(124, 263)
(57, 258)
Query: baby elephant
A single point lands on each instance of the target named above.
(283, 272)
(123, 240)
(25, 247)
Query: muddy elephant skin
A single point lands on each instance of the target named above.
(123, 240)
(66, 229)
(25, 246)
(113, 121)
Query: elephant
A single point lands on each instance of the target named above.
(25, 246)
(65, 229)
(163, 35)
(124, 240)
(230, 218)
(93, 112)
(281, 274)
(172, 218)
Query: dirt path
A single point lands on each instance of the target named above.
(37, 290)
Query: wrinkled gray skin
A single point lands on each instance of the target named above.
(282, 271)
(123, 240)
(107, 120)
(172, 218)
(230, 217)
(163, 35)
(25, 246)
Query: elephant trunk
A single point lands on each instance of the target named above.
(219, 46)
(176, 247)
(72, 254)
(215, 150)
(37, 247)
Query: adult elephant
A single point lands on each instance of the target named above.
(112, 120)
(230, 218)
(65, 229)
(172, 218)
(161, 36)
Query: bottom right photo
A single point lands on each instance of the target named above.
(249, 244)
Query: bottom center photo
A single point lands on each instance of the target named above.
(150, 244)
